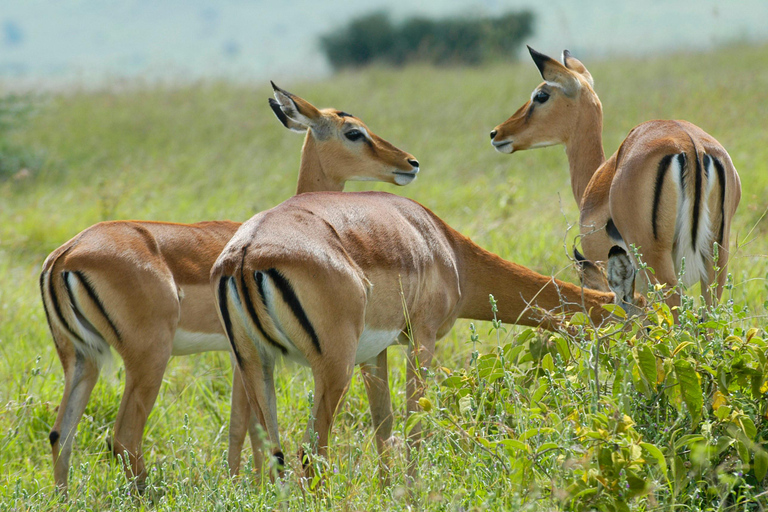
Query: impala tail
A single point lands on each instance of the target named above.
(74, 309)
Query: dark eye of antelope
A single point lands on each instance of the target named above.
(354, 135)
(541, 97)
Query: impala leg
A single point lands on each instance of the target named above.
(242, 419)
(422, 348)
(143, 377)
(80, 376)
(376, 379)
(332, 380)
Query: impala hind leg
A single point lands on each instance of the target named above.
(80, 376)
(242, 420)
(143, 378)
(376, 379)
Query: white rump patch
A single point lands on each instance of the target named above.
(696, 259)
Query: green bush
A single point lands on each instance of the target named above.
(374, 38)
(598, 418)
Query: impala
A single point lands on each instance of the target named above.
(670, 190)
(142, 288)
(324, 279)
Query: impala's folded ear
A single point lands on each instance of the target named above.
(294, 112)
(553, 71)
(575, 64)
(592, 275)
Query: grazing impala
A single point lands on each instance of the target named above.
(671, 189)
(142, 288)
(324, 279)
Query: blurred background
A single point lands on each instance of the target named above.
(50, 44)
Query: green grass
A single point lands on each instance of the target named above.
(215, 150)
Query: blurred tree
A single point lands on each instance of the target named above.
(374, 38)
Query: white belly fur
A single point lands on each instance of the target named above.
(372, 342)
(186, 342)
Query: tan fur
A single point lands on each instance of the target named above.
(152, 279)
(359, 262)
(622, 188)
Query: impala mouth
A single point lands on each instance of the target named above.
(504, 146)
(404, 178)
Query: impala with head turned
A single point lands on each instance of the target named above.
(324, 279)
(670, 190)
(141, 288)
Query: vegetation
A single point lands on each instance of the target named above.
(374, 38)
(601, 418)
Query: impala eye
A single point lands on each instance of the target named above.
(541, 97)
(354, 135)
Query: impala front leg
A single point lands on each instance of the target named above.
(376, 379)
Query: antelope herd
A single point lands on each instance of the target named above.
(331, 279)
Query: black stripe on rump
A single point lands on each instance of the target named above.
(721, 180)
(96, 299)
(696, 197)
(613, 231)
(252, 310)
(660, 173)
(224, 310)
(290, 298)
(56, 307)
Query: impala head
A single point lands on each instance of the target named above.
(618, 276)
(345, 148)
(555, 109)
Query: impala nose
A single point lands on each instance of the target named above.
(493, 134)
(413, 162)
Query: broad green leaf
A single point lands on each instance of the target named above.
(680, 347)
(413, 420)
(690, 388)
(688, 440)
(646, 360)
(656, 454)
(761, 464)
(579, 319)
(547, 363)
(514, 444)
(748, 427)
(743, 452)
(539, 393)
(615, 310)
(548, 446)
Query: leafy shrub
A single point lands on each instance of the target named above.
(624, 417)
(374, 38)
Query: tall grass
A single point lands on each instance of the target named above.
(214, 151)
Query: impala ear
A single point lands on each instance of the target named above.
(592, 276)
(575, 64)
(295, 113)
(553, 71)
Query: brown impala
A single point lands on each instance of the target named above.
(143, 289)
(671, 189)
(331, 280)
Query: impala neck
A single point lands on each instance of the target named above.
(585, 148)
(312, 175)
(515, 287)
